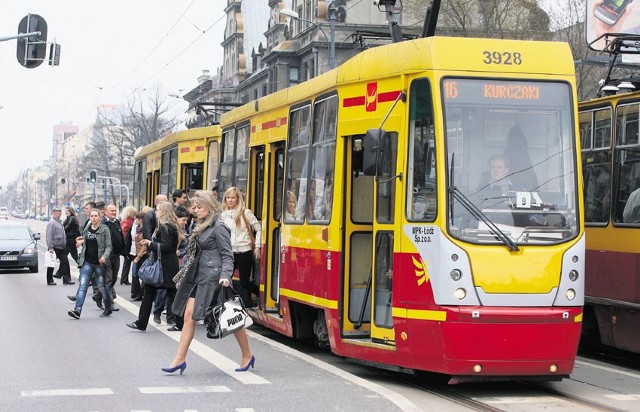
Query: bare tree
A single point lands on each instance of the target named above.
(120, 131)
(513, 19)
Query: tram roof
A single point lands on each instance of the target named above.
(179, 136)
(455, 54)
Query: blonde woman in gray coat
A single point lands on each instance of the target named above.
(213, 266)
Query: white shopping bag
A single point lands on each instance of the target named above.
(50, 259)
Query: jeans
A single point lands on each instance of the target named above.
(86, 272)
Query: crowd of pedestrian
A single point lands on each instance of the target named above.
(216, 239)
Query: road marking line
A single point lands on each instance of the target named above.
(215, 358)
(183, 389)
(66, 392)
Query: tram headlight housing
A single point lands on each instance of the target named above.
(456, 274)
(573, 275)
(460, 293)
(570, 294)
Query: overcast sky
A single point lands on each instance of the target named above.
(109, 48)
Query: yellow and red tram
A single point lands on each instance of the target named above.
(611, 166)
(180, 160)
(388, 236)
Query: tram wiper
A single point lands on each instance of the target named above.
(477, 213)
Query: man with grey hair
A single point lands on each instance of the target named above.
(57, 243)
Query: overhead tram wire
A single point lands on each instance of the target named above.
(173, 26)
(183, 51)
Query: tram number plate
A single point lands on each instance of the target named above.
(8, 258)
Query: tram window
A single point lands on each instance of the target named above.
(242, 159)
(323, 160)
(627, 122)
(225, 175)
(361, 199)
(602, 130)
(627, 195)
(213, 164)
(421, 169)
(597, 182)
(384, 279)
(585, 119)
(387, 180)
(298, 158)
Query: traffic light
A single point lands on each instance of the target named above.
(32, 50)
(92, 176)
(54, 54)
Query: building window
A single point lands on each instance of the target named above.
(294, 75)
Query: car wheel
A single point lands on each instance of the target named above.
(33, 269)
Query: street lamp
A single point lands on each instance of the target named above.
(332, 19)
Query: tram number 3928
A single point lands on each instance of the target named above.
(502, 57)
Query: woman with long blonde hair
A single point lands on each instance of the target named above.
(246, 245)
(211, 265)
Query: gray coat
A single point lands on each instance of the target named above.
(215, 261)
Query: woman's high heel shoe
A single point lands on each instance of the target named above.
(250, 364)
(182, 367)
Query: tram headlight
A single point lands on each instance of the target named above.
(456, 274)
(570, 294)
(460, 293)
(573, 275)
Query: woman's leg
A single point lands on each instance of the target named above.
(243, 341)
(145, 306)
(85, 274)
(186, 335)
(245, 264)
(102, 286)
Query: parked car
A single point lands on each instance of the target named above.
(4, 213)
(18, 246)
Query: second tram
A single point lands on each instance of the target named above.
(611, 165)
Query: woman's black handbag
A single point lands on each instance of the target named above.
(227, 315)
(150, 272)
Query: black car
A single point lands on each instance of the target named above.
(18, 246)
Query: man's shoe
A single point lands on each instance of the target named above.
(134, 325)
(51, 283)
(99, 304)
(171, 322)
(107, 312)
(174, 328)
(69, 283)
(72, 298)
(74, 314)
(114, 309)
(126, 282)
(156, 319)
(57, 276)
(136, 299)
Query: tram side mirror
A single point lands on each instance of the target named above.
(371, 151)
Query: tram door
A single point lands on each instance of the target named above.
(271, 227)
(383, 241)
(369, 240)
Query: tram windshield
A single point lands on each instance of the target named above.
(510, 161)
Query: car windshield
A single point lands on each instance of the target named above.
(14, 233)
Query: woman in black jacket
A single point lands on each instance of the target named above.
(168, 236)
(72, 231)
